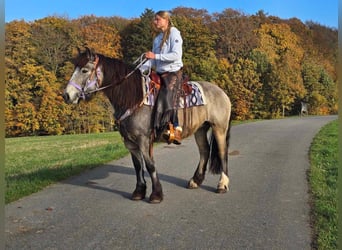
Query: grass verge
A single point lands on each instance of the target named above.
(323, 182)
(32, 163)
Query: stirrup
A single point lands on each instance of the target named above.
(169, 134)
(177, 135)
(173, 135)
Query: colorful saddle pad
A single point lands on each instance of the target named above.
(195, 98)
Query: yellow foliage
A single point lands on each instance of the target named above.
(103, 38)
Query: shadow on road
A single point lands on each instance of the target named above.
(94, 179)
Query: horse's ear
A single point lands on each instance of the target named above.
(87, 50)
(93, 54)
(90, 54)
(78, 50)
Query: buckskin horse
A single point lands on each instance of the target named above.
(122, 84)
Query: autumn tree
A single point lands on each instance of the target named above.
(199, 56)
(137, 37)
(235, 36)
(264, 70)
(34, 105)
(321, 89)
(243, 85)
(192, 13)
(119, 23)
(19, 113)
(266, 65)
(95, 33)
(53, 40)
(18, 49)
(285, 55)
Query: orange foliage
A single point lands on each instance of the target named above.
(295, 62)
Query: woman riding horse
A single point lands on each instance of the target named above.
(166, 58)
(122, 85)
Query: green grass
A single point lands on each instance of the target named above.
(323, 182)
(32, 163)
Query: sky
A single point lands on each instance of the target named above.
(324, 12)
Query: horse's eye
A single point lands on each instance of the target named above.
(84, 71)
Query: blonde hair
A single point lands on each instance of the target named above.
(165, 15)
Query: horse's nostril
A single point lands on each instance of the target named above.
(66, 97)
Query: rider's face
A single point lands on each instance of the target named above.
(160, 23)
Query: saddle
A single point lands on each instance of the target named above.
(156, 82)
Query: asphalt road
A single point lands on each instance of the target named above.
(266, 207)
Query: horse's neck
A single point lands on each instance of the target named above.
(126, 86)
(111, 69)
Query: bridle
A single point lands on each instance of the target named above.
(96, 81)
(89, 83)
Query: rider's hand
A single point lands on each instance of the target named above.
(150, 55)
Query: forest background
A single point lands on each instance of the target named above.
(265, 64)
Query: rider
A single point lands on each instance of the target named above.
(166, 58)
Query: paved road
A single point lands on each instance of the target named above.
(266, 208)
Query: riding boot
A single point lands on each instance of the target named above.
(166, 102)
(178, 130)
(178, 135)
(173, 135)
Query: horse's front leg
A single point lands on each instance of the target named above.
(157, 191)
(140, 189)
(142, 159)
(138, 161)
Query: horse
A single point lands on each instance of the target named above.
(122, 84)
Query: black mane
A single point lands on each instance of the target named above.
(124, 93)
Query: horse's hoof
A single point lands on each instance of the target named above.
(156, 199)
(192, 184)
(222, 190)
(138, 196)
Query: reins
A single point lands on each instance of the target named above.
(141, 61)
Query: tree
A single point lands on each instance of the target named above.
(235, 36)
(191, 13)
(19, 112)
(137, 36)
(282, 49)
(199, 58)
(95, 33)
(34, 105)
(321, 89)
(53, 40)
(18, 49)
(243, 88)
(263, 69)
(265, 64)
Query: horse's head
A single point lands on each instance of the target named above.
(85, 79)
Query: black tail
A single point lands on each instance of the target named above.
(215, 165)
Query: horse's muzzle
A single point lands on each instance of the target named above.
(66, 97)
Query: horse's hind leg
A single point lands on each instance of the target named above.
(204, 150)
(223, 185)
(220, 152)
